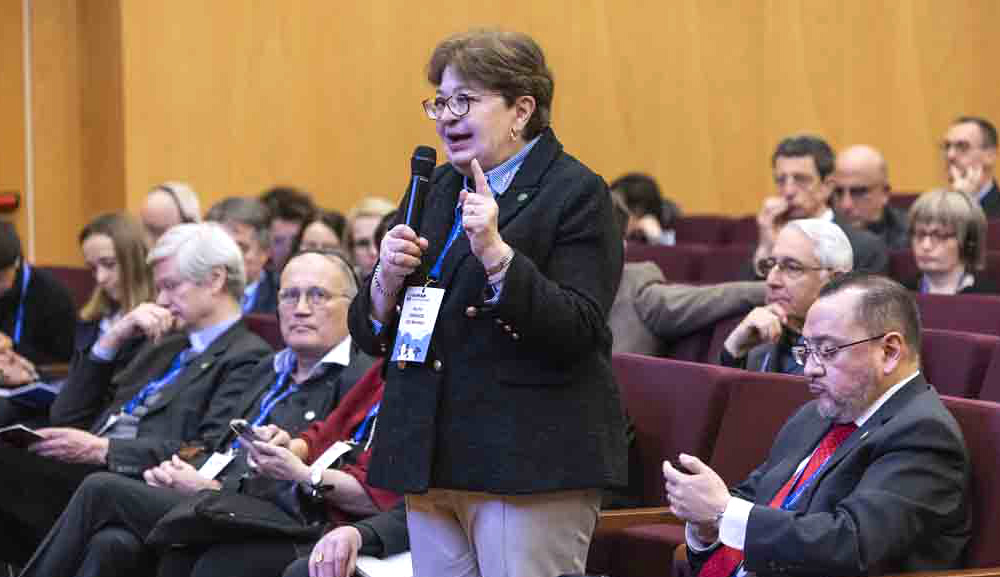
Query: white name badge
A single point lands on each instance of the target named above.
(215, 465)
(416, 323)
(331, 454)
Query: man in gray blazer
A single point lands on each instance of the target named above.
(164, 402)
(806, 254)
(867, 479)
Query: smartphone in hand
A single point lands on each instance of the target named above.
(244, 430)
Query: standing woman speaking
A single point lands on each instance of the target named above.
(502, 437)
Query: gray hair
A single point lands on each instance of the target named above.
(247, 211)
(184, 197)
(830, 244)
(198, 248)
(340, 261)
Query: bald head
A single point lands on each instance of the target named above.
(861, 185)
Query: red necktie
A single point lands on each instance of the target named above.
(725, 559)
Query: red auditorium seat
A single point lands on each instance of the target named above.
(757, 407)
(902, 267)
(957, 362)
(993, 234)
(266, 327)
(701, 229)
(725, 263)
(743, 231)
(991, 381)
(980, 422)
(79, 281)
(675, 407)
(678, 263)
(970, 313)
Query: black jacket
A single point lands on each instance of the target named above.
(517, 398)
(49, 317)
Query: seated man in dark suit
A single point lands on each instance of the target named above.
(803, 175)
(970, 153)
(861, 194)
(37, 315)
(165, 400)
(247, 220)
(867, 479)
(290, 390)
(807, 254)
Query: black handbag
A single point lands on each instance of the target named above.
(211, 517)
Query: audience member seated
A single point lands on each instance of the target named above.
(114, 249)
(248, 223)
(948, 237)
(970, 153)
(359, 233)
(290, 209)
(648, 311)
(803, 170)
(288, 391)
(167, 399)
(166, 206)
(37, 315)
(322, 232)
(806, 254)
(650, 215)
(861, 195)
(867, 479)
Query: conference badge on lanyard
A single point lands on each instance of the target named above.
(416, 323)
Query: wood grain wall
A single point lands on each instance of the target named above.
(234, 96)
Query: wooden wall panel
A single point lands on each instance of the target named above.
(234, 96)
(12, 110)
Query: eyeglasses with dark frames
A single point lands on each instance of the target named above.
(792, 268)
(825, 354)
(459, 104)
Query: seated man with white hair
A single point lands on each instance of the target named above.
(168, 400)
(806, 254)
(167, 205)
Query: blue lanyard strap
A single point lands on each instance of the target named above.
(360, 433)
(156, 385)
(793, 497)
(271, 400)
(455, 230)
(19, 322)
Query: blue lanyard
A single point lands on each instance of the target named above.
(19, 322)
(792, 498)
(455, 230)
(156, 385)
(271, 400)
(360, 433)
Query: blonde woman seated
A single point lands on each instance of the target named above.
(948, 238)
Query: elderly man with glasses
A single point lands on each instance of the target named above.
(869, 478)
(970, 153)
(807, 253)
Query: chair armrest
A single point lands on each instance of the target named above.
(54, 371)
(624, 518)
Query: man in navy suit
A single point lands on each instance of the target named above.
(868, 478)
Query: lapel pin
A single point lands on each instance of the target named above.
(863, 435)
(310, 415)
(205, 366)
(522, 197)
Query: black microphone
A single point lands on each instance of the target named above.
(421, 166)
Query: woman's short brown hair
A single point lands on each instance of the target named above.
(134, 277)
(954, 210)
(510, 63)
